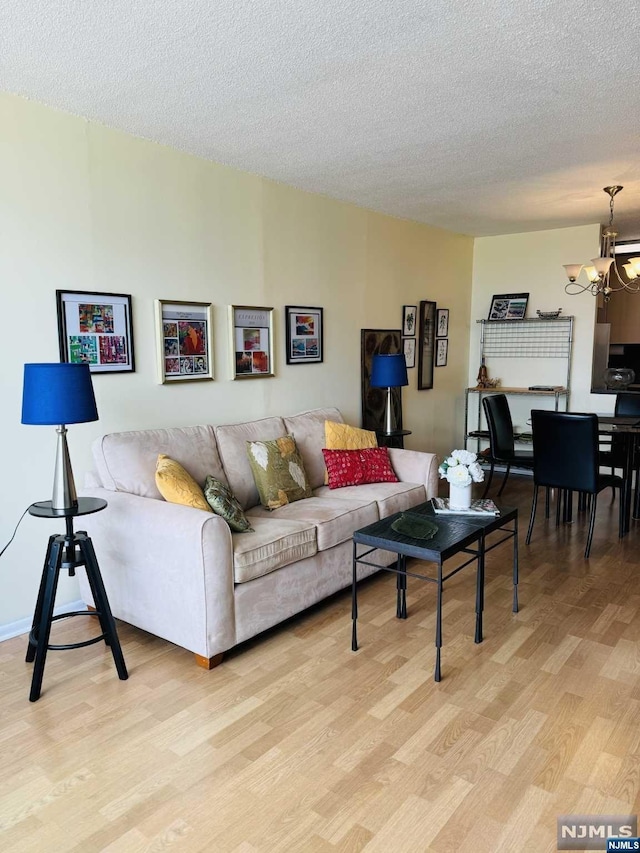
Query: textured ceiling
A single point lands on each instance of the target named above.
(482, 116)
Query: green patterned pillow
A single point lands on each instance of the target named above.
(278, 471)
(223, 502)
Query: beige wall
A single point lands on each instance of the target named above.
(532, 263)
(85, 207)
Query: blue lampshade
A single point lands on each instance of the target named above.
(389, 371)
(58, 394)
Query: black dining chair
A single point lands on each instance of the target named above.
(565, 448)
(627, 405)
(501, 439)
(614, 456)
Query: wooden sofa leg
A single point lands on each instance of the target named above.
(209, 663)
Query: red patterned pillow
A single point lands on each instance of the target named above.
(377, 465)
(356, 467)
(344, 468)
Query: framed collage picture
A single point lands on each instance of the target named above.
(251, 336)
(184, 341)
(96, 329)
(304, 327)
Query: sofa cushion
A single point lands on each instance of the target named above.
(308, 430)
(232, 445)
(177, 486)
(334, 519)
(126, 461)
(224, 503)
(355, 467)
(274, 543)
(278, 471)
(389, 497)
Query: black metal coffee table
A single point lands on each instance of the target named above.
(456, 534)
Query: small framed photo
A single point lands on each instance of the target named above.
(304, 335)
(184, 340)
(251, 336)
(409, 349)
(442, 351)
(508, 306)
(409, 314)
(442, 323)
(96, 329)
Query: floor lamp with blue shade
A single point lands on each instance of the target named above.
(55, 395)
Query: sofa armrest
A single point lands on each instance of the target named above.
(167, 569)
(413, 466)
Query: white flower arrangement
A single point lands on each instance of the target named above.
(461, 468)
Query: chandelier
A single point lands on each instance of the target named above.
(599, 272)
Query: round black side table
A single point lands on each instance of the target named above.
(69, 551)
(392, 439)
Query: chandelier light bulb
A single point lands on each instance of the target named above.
(630, 271)
(572, 270)
(592, 274)
(602, 265)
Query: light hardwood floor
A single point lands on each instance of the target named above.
(297, 744)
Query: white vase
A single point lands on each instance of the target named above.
(459, 496)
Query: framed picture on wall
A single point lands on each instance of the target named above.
(409, 349)
(184, 340)
(96, 329)
(409, 313)
(426, 339)
(251, 336)
(442, 350)
(304, 328)
(442, 323)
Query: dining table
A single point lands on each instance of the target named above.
(628, 429)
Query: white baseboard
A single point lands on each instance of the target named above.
(23, 626)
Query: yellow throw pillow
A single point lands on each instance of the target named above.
(344, 437)
(177, 486)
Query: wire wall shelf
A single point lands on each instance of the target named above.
(527, 338)
(549, 339)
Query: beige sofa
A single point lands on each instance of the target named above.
(181, 574)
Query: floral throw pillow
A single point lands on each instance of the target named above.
(225, 504)
(278, 471)
(357, 467)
